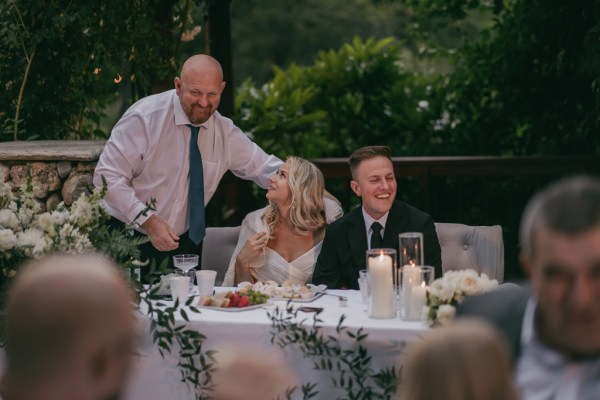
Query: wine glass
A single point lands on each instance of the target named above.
(186, 264)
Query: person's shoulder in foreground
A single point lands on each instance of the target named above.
(503, 308)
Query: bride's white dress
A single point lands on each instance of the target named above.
(272, 266)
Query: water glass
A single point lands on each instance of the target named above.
(179, 288)
(206, 282)
(363, 284)
(190, 274)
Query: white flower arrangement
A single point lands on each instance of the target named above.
(27, 231)
(448, 291)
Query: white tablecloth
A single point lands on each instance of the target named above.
(158, 378)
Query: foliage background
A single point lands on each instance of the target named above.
(319, 78)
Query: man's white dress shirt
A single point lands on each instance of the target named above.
(147, 156)
(369, 223)
(544, 374)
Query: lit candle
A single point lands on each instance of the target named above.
(411, 279)
(381, 289)
(418, 298)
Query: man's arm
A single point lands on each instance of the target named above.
(327, 270)
(121, 158)
(248, 161)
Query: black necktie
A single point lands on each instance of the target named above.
(196, 190)
(376, 240)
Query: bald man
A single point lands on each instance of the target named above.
(69, 331)
(150, 155)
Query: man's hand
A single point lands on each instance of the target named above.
(161, 234)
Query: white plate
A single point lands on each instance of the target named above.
(299, 300)
(233, 309)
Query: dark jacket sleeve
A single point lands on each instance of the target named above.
(431, 245)
(504, 308)
(327, 270)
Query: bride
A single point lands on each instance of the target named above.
(282, 241)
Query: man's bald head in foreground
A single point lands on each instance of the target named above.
(199, 87)
(69, 319)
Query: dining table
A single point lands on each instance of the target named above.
(155, 377)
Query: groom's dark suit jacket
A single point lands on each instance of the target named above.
(345, 245)
(504, 309)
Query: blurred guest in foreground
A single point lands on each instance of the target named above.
(69, 331)
(374, 225)
(251, 375)
(467, 360)
(282, 241)
(554, 330)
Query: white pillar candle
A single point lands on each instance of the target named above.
(418, 298)
(412, 277)
(381, 290)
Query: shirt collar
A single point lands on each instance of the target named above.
(369, 220)
(182, 119)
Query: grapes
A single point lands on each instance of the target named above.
(257, 297)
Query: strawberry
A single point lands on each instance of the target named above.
(234, 300)
(244, 301)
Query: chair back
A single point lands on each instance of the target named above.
(477, 247)
(217, 248)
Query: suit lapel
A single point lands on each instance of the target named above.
(357, 238)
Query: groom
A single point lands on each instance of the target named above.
(376, 224)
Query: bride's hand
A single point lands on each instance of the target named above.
(254, 247)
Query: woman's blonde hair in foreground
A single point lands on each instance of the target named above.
(467, 360)
(307, 186)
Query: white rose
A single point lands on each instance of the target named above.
(82, 212)
(5, 189)
(487, 283)
(445, 314)
(470, 285)
(441, 289)
(8, 219)
(7, 239)
(44, 221)
(58, 217)
(34, 240)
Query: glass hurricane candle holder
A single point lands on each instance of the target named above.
(415, 282)
(411, 248)
(381, 268)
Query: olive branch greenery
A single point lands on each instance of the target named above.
(348, 365)
(196, 365)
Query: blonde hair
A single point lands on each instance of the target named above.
(467, 360)
(307, 187)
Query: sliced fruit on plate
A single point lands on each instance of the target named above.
(234, 300)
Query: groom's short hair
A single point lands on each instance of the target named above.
(366, 153)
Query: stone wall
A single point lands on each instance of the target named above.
(61, 170)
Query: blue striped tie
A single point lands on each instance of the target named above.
(196, 190)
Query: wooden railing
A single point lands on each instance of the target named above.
(469, 190)
(425, 169)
